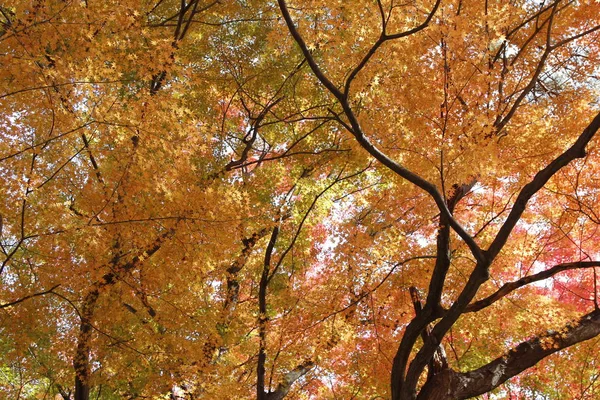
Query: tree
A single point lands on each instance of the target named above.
(319, 199)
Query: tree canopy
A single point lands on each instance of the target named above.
(303, 199)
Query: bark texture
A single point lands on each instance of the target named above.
(452, 385)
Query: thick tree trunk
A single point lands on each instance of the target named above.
(441, 386)
(81, 361)
(82, 388)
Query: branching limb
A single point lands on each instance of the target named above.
(337, 180)
(481, 272)
(577, 150)
(250, 138)
(508, 288)
(362, 139)
(439, 361)
(81, 362)
(236, 266)
(384, 37)
(525, 355)
(86, 144)
(183, 24)
(442, 262)
(502, 122)
(288, 380)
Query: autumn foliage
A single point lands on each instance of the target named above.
(301, 199)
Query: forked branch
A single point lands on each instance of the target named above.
(355, 128)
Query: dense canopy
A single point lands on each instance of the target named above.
(303, 199)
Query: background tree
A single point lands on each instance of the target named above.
(492, 94)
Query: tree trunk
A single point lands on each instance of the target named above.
(81, 361)
(440, 386)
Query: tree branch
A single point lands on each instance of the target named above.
(304, 48)
(262, 317)
(439, 360)
(577, 150)
(525, 355)
(442, 262)
(288, 380)
(511, 286)
(81, 360)
(481, 271)
(236, 266)
(417, 28)
(366, 144)
(22, 299)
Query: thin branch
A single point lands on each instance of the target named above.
(384, 37)
(317, 197)
(575, 37)
(22, 299)
(86, 144)
(508, 288)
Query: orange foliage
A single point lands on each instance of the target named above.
(231, 199)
